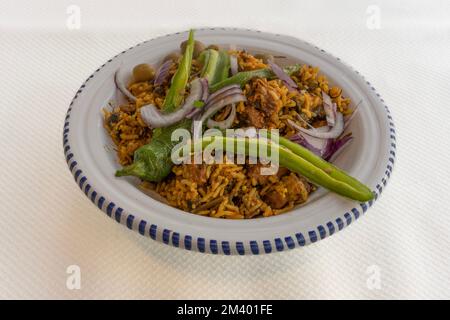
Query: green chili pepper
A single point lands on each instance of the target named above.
(241, 78)
(203, 59)
(152, 161)
(222, 68)
(320, 172)
(209, 67)
(325, 166)
(178, 85)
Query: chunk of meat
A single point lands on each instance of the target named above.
(277, 197)
(297, 188)
(197, 173)
(254, 118)
(291, 188)
(269, 97)
(264, 104)
(282, 171)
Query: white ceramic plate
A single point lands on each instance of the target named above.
(92, 160)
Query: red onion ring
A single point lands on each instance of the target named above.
(289, 83)
(156, 119)
(162, 73)
(118, 80)
(225, 124)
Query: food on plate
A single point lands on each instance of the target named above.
(207, 90)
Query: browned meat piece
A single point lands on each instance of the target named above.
(264, 104)
(197, 173)
(254, 117)
(277, 196)
(291, 188)
(297, 188)
(282, 171)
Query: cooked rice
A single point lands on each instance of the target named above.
(229, 190)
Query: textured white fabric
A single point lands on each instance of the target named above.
(47, 223)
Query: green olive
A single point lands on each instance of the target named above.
(143, 72)
(213, 46)
(198, 47)
(174, 56)
(265, 57)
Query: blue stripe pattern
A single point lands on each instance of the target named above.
(176, 239)
(142, 225)
(279, 244)
(240, 248)
(166, 236)
(330, 226)
(201, 244)
(226, 247)
(211, 245)
(254, 247)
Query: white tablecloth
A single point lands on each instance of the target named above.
(47, 224)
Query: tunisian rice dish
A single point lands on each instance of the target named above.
(229, 88)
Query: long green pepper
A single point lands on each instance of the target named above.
(210, 64)
(241, 78)
(303, 162)
(325, 166)
(222, 68)
(179, 81)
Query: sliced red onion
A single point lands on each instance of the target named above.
(205, 89)
(194, 113)
(211, 109)
(289, 83)
(330, 109)
(156, 119)
(333, 133)
(233, 64)
(216, 97)
(225, 124)
(119, 81)
(316, 145)
(230, 92)
(118, 99)
(322, 129)
(223, 90)
(337, 148)
(299, 139)
(304, 121)
(162, 73)
(328, 148)
(351, 117)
